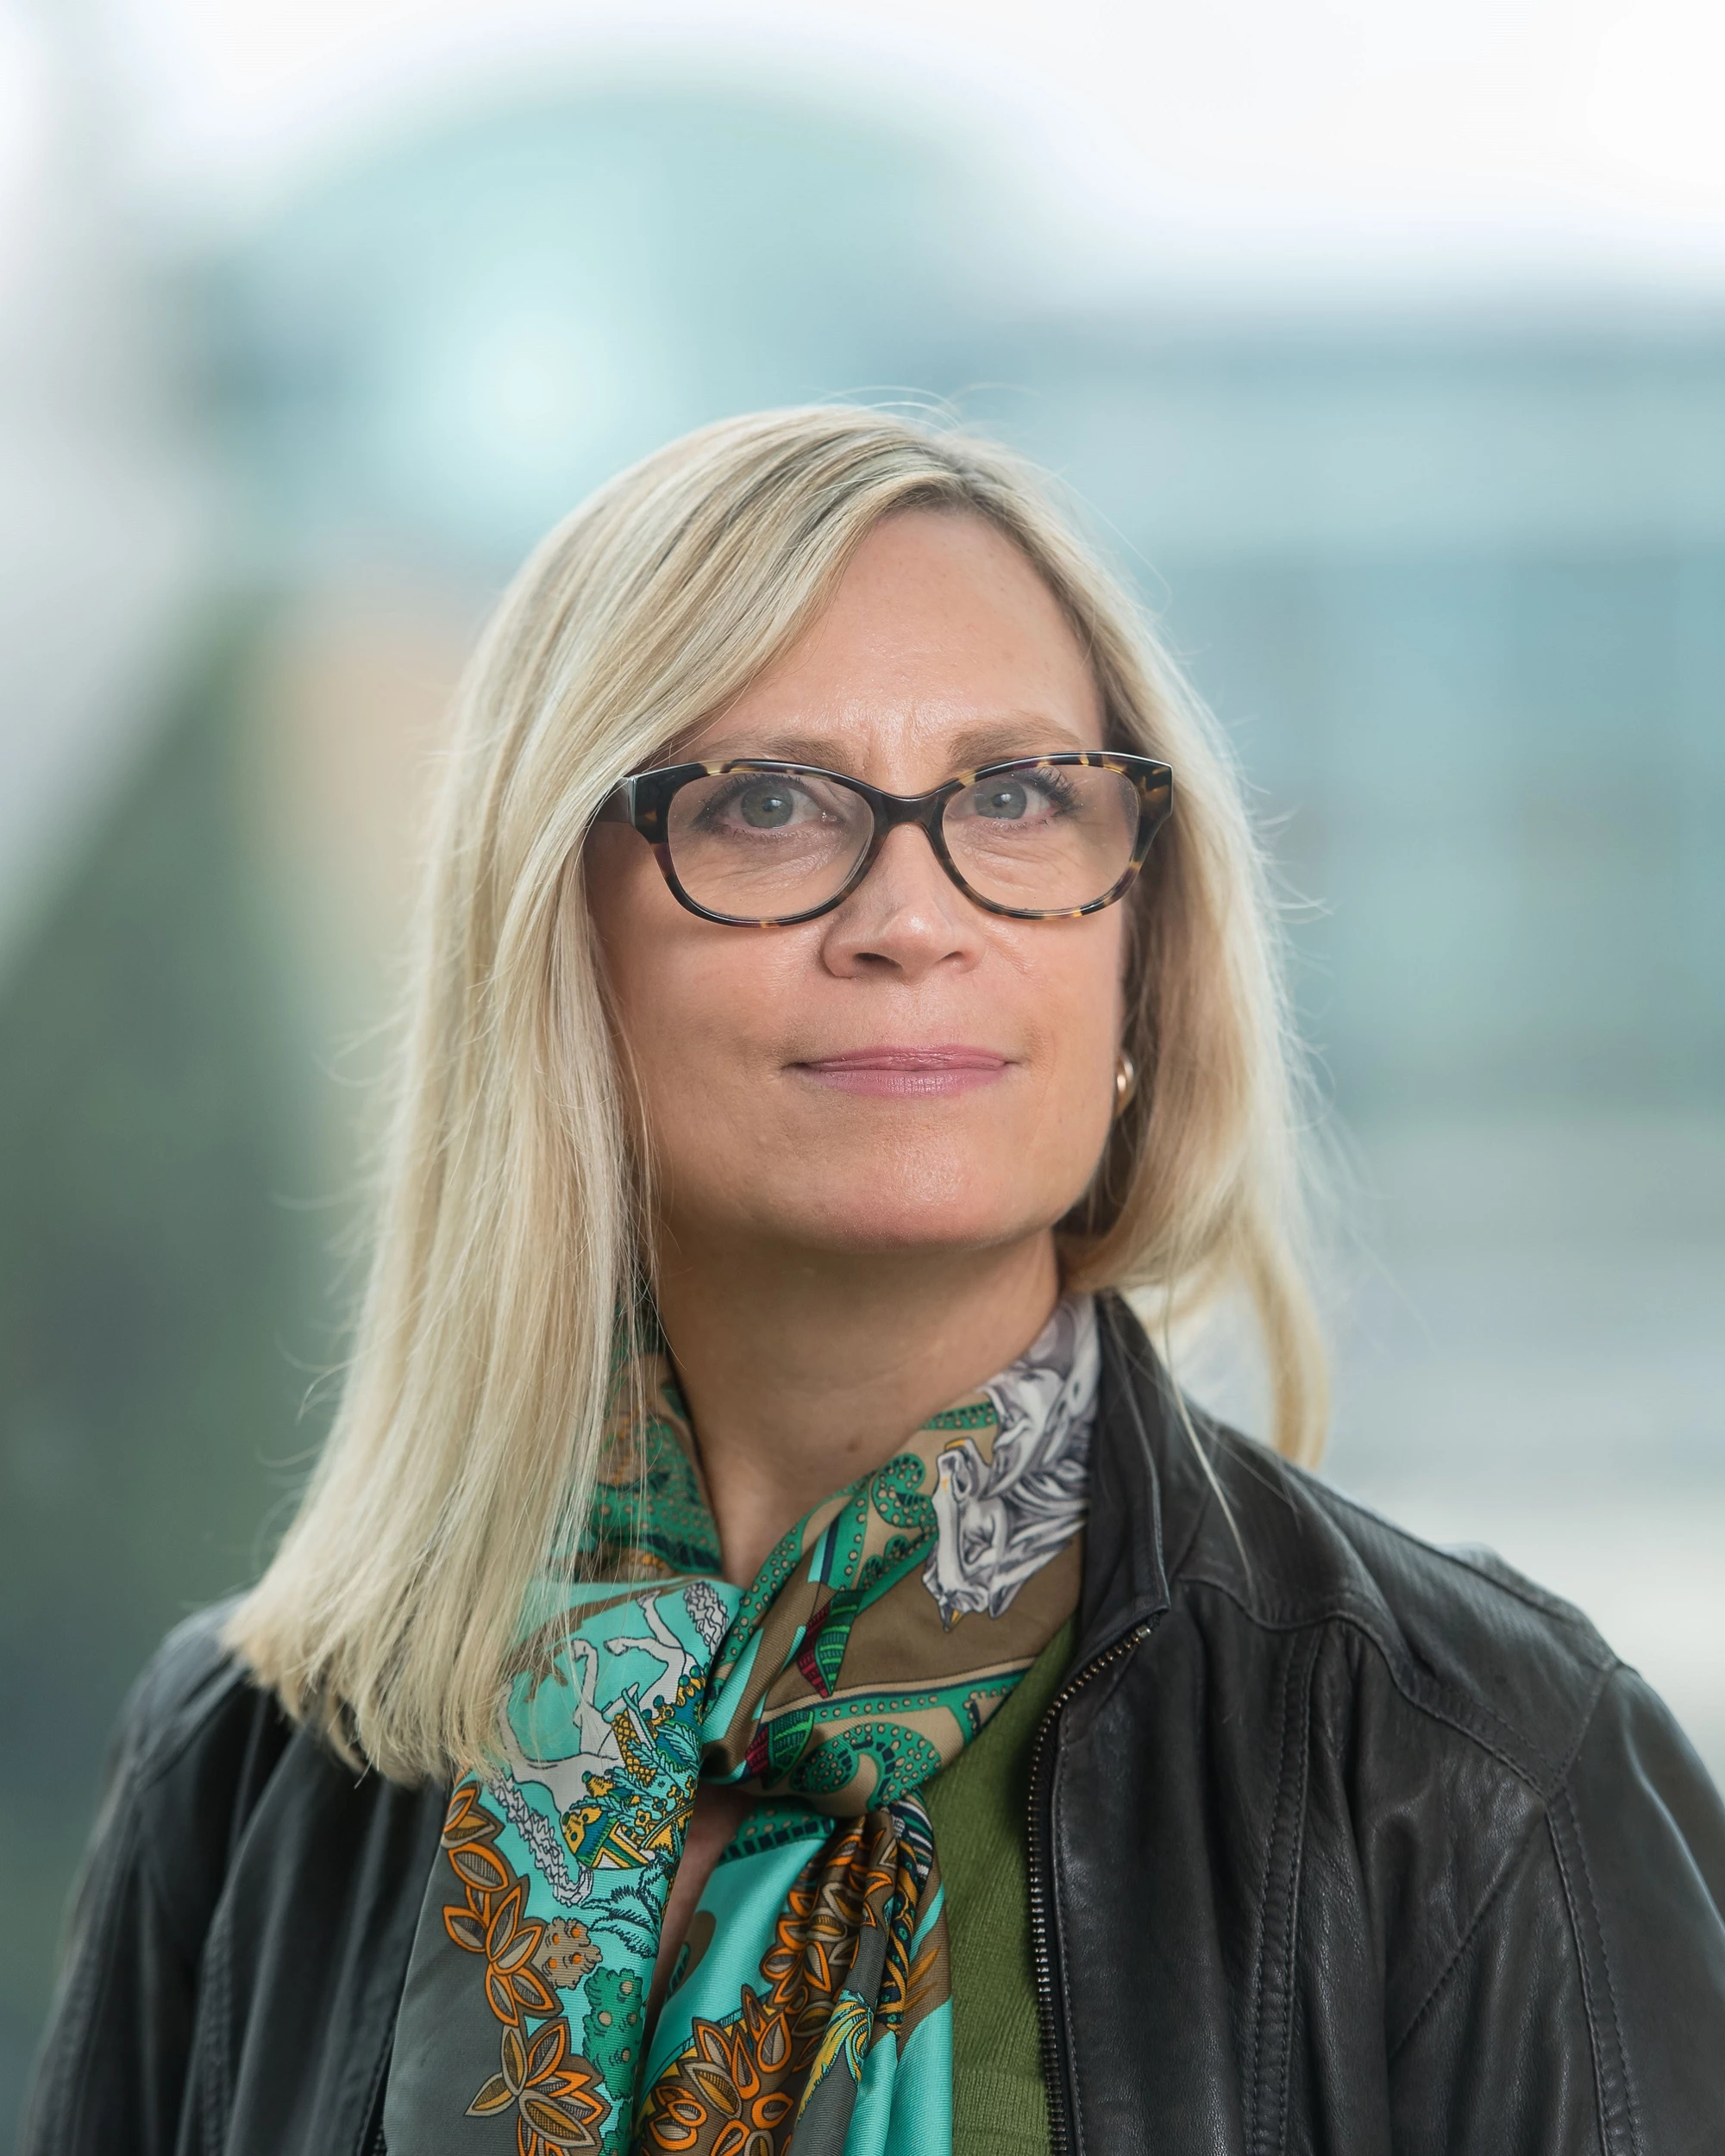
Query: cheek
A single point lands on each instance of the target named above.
(693, 1020)
(636, 926)
(698, 1011)
(1074, 982)
(670, 974)
(1078, 999)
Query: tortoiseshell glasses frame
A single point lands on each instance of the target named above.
(643, 802)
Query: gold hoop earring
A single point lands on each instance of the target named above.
(1126, 1081)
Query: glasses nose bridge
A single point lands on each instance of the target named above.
(924, 811)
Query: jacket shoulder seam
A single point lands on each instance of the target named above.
(164, 1731)
(1293, 1484)
(215, 2047)
(1273, 1987)
(144, 1775)
(1325, 1496)
(1255, 2074)
(1492, 1894)
(1619, 2132)
(1538, 1769)
(168, 1729)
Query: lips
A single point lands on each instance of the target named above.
(915, 1073)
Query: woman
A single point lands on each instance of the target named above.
(767, 1661)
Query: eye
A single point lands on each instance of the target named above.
(1006, 798)
(1040, 797)
(767, 804)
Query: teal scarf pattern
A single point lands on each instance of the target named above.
(809, 2007)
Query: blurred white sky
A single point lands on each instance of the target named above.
(1235, 141)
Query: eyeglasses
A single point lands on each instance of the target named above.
(755, 843)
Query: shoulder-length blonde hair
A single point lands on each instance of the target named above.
(509, 1237)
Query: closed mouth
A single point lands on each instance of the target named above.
(913, 1072)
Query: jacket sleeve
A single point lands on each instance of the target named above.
(192, 1741)
(1586, 2010)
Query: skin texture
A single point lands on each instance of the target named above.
(841, 1256)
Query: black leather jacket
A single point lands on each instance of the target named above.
(1338, 1843)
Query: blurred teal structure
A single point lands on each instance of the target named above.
(1456, 588)
(1460, 595)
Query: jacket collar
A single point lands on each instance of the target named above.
(1126, 1574)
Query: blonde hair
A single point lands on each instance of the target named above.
(464, 1447)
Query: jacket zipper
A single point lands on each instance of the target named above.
(1042, 1950)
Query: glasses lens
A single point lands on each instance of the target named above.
(1046, 839)
(766, 845)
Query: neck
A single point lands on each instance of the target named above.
(802, 1372)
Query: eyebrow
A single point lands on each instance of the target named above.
(990, 741)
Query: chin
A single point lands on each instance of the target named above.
(877, 1222)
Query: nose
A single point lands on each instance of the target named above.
(906, 919)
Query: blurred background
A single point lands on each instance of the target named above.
(1384, 347)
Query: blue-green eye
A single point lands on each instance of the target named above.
(1005, 798)
(765, 807)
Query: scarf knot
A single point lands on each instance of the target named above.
(810, 2006)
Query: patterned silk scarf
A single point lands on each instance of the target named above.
(809, 2007)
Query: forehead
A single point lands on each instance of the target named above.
(941, 646)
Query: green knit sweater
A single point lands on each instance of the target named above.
(980, 1807)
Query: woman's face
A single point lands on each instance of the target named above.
(908, 1072)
